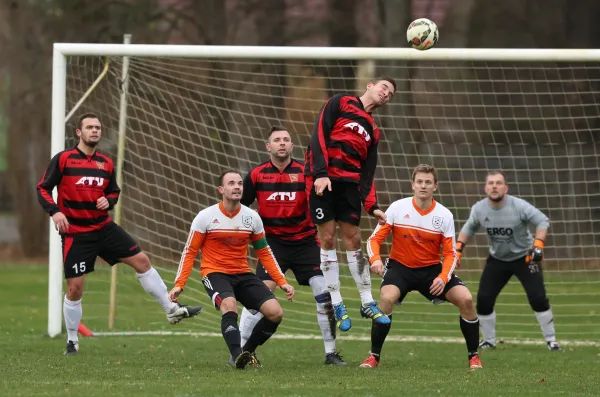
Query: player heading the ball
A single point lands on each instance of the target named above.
(340, 167)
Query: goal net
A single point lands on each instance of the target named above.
(188, 119)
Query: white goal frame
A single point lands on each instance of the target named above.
(59, 94)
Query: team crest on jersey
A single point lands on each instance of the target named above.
(293, 177)
(100, 165)
(437, 221)
(246, 221)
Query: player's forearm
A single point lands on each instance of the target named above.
(319, 159)
(185, 269)
(540, 234)
(376, 240)
(112, 198)
(369, 198)
(450, 259)
(46, 201)
(448, 266)
(265, 255)
(463, 238)
(188, 257)
(374, 251)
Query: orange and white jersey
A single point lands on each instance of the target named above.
(418, 237)
(223, 239)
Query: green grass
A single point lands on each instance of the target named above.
(32, 364)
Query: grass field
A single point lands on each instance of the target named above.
(193, 365)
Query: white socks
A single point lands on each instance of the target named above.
(72, 312)
(546, 320)
(487, 324)
(324, 312)
(247, 323)
(361, 272)
(155, 286)
(331, 272)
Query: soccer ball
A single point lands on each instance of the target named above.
(422, 34)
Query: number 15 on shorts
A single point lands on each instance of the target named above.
(79, 268)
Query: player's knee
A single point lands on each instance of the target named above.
(327, 241)
(387, 300)
(352, 240)
(74, 291)
(275, 314)
(465, 303)
(228, 305)
(539, 303)
(485, 304)
(141, 263)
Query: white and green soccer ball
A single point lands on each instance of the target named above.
(422, 34)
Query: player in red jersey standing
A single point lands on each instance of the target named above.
(87, 190)
(279, 188)
(340, 167)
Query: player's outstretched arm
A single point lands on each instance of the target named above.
(463, 239)
(266, 257)
(111, 192)
(448, 251)
(51, 178)
(468, 230)
(188, 257)
(532, 215)
(368, 192)
(375, 241)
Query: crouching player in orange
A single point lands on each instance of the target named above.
(223, 232)
(420, 228)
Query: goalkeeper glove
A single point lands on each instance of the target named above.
(459, 248)
(535, 253)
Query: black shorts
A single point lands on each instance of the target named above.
(416, 279)
(110, 243)
(342, 203)
(246, 288)
(496, 274)
(301, 257)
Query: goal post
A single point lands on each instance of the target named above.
(196, 109)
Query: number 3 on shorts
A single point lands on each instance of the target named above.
(320, 214)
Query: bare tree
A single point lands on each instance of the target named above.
(32, 28)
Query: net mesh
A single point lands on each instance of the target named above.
(188, 119)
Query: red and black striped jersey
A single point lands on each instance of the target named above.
(80, 180)
(282, 200)
(343, 146)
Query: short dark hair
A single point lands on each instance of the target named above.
(276, 128)
(222, 175)
(425, 169)
(496, 172)
(84, 116)
(385, 78)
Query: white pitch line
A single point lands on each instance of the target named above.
(391, 338)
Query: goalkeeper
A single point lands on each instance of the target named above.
(513, 251)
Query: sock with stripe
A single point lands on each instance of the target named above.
(470, 330)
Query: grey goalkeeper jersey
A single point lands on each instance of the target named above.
(506, 227)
